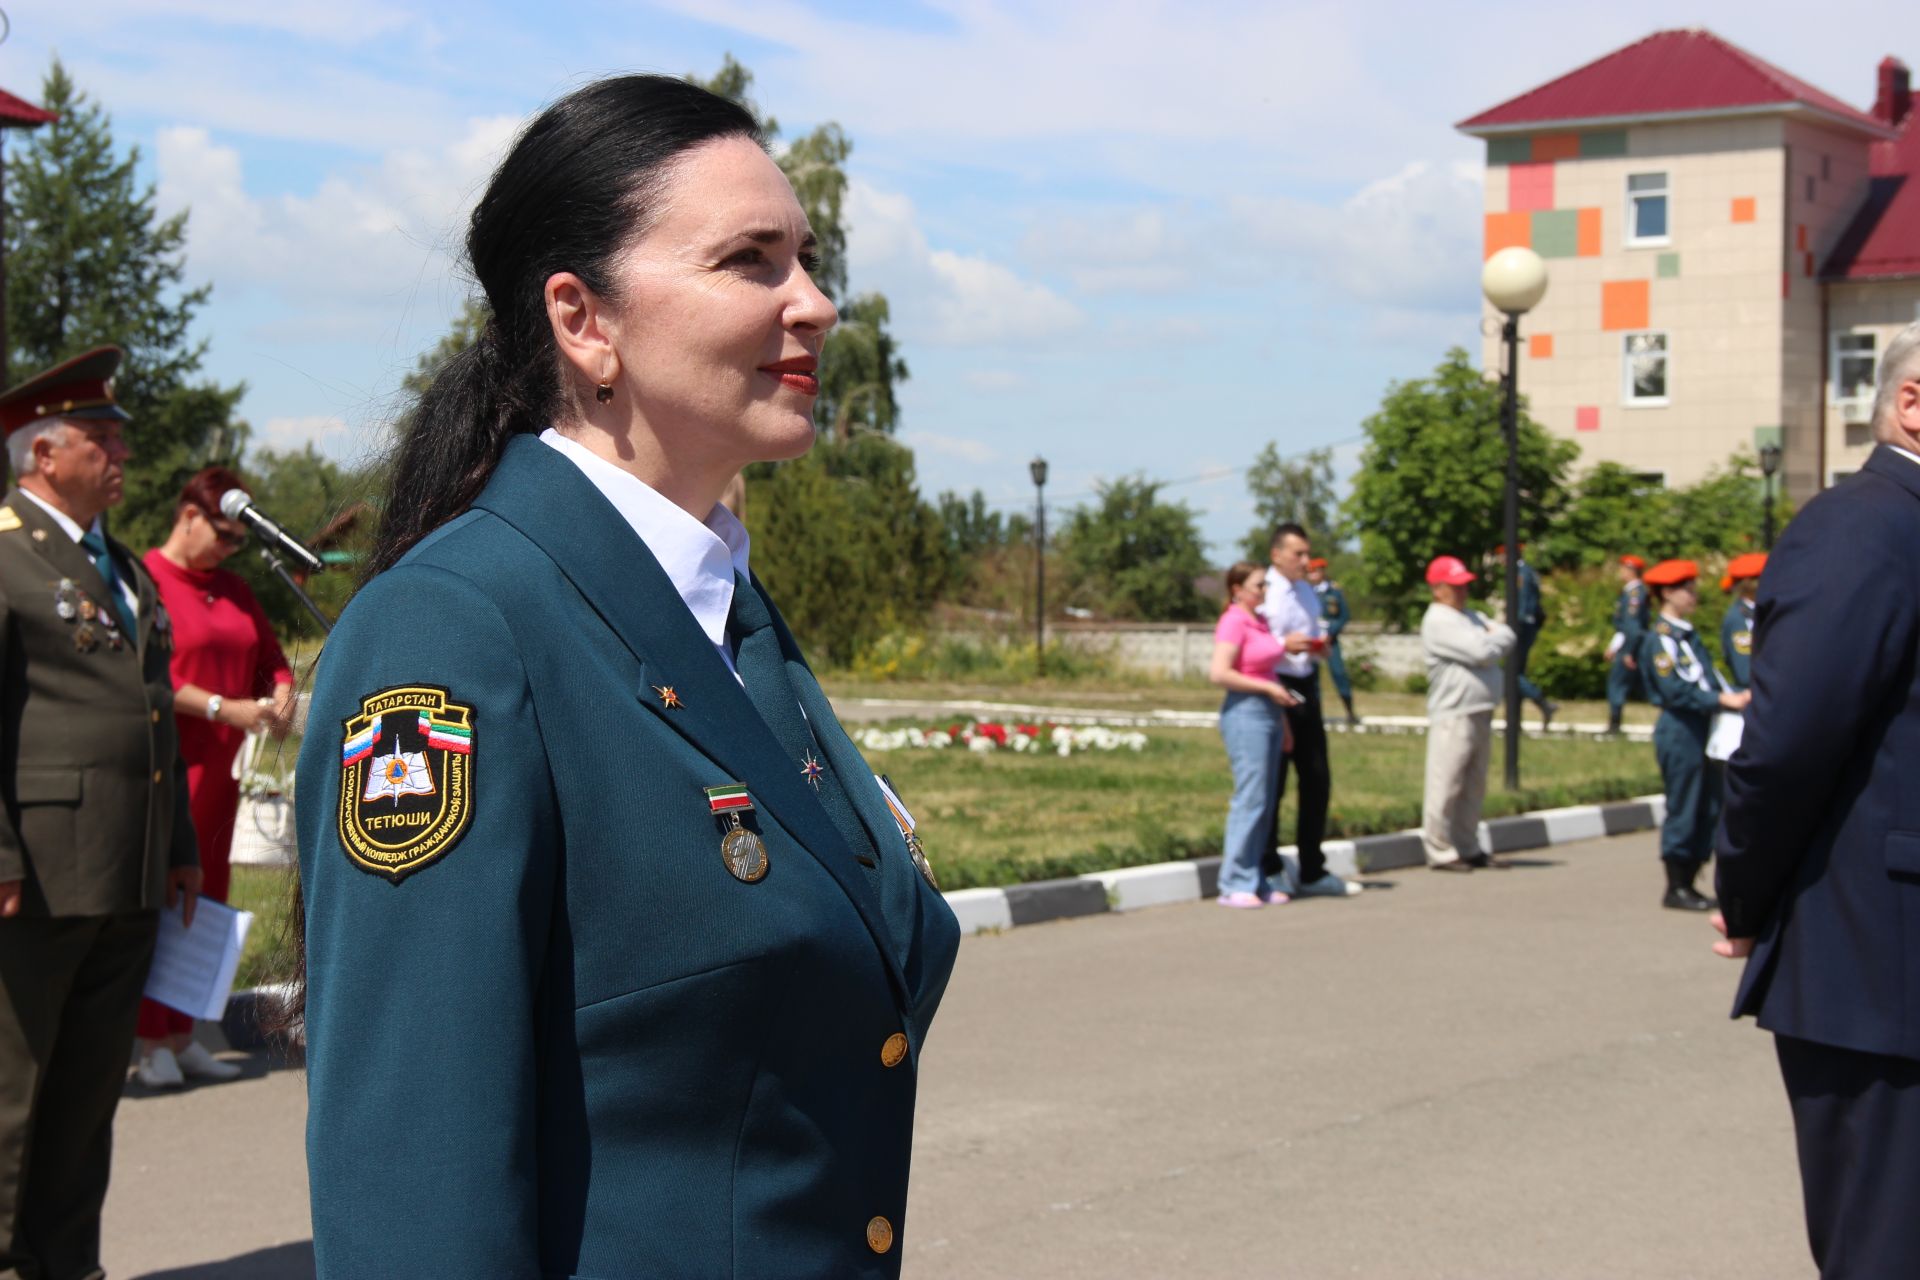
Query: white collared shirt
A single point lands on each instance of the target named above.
(1291, 607)
(123, 579)
(1908, 454)
(700, 558)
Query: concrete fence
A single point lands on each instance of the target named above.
(1181, 649)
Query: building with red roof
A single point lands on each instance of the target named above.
(1729, 249)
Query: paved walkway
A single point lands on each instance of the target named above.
(1506, 1075)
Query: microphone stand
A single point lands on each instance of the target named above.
(273, 562)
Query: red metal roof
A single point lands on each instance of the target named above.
(18, 112)
(1884, 238)
(1688, 72)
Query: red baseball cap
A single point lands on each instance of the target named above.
(1450, 570)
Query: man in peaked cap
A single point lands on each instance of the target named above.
(95, 835)
(1736, 629)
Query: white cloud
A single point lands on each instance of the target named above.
(354, 257)
(325, 432)
(946, 446)
(1124, 251)
(938, 296)
(995, 380)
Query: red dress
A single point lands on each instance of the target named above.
(223, 643)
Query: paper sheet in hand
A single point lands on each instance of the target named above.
(1724, 740)
(193, 968)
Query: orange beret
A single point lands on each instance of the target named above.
(1670, 573)
(1316, 563)
(1635, 561)
(1749, 565)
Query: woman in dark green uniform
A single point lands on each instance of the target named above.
(619, 960)
(1681, 678)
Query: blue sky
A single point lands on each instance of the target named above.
(1132, 237)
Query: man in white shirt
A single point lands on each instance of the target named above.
(1463, 651)
(1292, 612)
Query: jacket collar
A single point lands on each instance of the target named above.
(1887, 462)
(52, 540)
(548, 499)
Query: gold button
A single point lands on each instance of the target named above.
(156, 777)
(894, 1051)
(879, 1235)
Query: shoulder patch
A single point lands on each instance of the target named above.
(406, 779)
(1663, 663)
(9, 519)
(1743, 642)
(1662, 628)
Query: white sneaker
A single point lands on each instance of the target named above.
(159, 1070)
(196, 1061)
(1329, 886)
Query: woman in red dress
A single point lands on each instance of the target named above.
(229, 679)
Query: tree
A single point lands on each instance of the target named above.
(1130, 555)
(1297, 489)
(1433, 476)
(861, 364)
(1613, 511)
(308, 494)
(463, 333)
(90, 262)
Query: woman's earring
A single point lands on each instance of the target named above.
(604, 393)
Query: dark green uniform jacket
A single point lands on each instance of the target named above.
(550, 1032)
(96, 811)
(1736, 642)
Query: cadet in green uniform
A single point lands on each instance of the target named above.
(1624, 678)
(1682, 680)
(1527, 619)
(620, 960)
(96, 832)
(1335, 614)
(1736, 629)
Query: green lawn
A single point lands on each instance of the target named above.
(1007, 817)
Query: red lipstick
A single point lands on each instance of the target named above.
(796, 372)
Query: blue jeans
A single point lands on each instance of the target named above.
(1250, 726)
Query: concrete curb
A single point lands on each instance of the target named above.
(1163, 883)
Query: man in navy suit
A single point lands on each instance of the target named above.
(1819, 871)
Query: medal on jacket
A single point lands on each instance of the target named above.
(85, 638)
(741, 849)
(905, 822)
(66, 600)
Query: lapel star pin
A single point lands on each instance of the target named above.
(668, 698)
(811, 769)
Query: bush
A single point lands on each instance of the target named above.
(916, 655)
(1417, 683)
(1362, 667)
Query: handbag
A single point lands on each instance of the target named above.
(263, 828)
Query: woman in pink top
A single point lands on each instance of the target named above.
(1255, 731)
(229, 679)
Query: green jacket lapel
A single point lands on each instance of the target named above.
(548, 499)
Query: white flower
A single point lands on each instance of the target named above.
(983, 744)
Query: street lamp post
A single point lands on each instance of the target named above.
(1038, 470)
(1769, 467)
(1514, 280)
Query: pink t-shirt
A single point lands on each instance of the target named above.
(1260, 649)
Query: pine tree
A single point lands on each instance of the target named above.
(91, 262)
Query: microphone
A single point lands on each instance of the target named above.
(237, 504)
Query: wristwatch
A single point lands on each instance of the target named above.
(214, 702)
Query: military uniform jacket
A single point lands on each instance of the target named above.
(550, 1032)
(1630, 616)
(96, 807)
(1736, 641)
(1819, 844)
(1530, 614)
(1333, 609)
(1681, 679)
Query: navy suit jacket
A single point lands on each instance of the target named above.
(1820, 840)
(569, 1041)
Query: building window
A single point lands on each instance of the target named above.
(1644, 369)
(1855, 363)
(1646, 482)
(1810, 190)
(1647, 208)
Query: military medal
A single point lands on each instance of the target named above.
(87, 609)
(810, 769)
(905, 822)
(740, 849)
(85, 638)
(668, 698)
(65, 600)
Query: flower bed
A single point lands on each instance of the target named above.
(985, 737)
